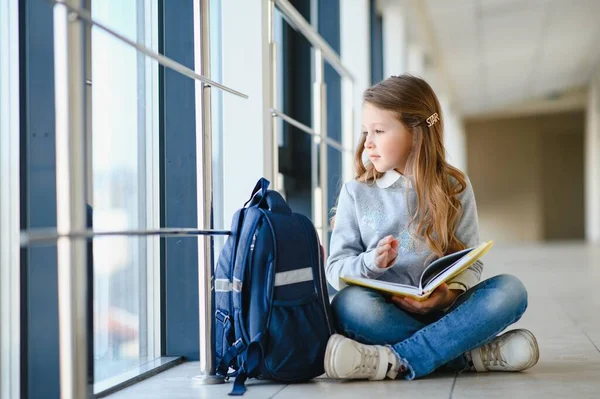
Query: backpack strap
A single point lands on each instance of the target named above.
(238, 346)
(250, 367)
(229, 356)
(241, 347)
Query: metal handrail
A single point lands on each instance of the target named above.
(286, 118)
(73, 299)
(38, 236)
(294, 122)
(161, 59)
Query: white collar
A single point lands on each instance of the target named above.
(390, 177)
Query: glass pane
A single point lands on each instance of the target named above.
(120, 299)
(124, 151)
(294, 92)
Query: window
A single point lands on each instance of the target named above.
(294, 98)
(125, 187)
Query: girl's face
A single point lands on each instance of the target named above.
(388, 142)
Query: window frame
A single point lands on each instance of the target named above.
(39, 356)
(179, 257)
(377, 54)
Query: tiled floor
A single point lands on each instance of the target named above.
(564, 307)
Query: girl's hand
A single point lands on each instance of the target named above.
(440, 298)
(386, 252)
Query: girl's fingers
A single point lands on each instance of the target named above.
(386, 251)
(396, 299)
(442, 289)
(386, 240)
(413, 303)
(381, 261)
(402, 303)
(393, 241)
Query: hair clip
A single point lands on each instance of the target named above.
(432, 119)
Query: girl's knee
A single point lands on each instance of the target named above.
(513, 286)
(349, 299)
(354, 304)
(509, 294)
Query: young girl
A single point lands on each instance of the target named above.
(406, 207)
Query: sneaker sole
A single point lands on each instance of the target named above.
(332, 346)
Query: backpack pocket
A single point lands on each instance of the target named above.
(297, 339)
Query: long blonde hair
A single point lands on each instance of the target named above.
(438, 210)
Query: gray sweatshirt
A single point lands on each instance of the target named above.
(368, 212)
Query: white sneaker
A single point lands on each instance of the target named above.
(514, 350)
(348, 359)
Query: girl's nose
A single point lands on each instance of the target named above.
(369, 141)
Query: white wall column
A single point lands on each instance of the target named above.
(247, 136)
(394, 38)
(454, 134)
(592, 163)
(355, 53)
(416, 60)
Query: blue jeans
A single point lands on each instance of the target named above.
(438, 340)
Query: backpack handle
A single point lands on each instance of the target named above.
(269, 199)
(262, 185)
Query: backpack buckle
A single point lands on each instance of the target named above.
(222, 317)
(239, 345)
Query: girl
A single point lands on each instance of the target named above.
(406, 207)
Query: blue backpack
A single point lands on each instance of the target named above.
(272, 312)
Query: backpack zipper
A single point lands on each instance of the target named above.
(253, 242)
(251, 251)
(251, 256)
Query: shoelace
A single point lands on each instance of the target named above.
(491, 353)
(369, 359)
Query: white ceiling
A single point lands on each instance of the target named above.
(502, 52)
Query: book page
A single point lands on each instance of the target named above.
(384, 286)
(440, 265)
(461, 264)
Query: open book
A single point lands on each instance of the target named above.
(437, 272)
